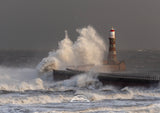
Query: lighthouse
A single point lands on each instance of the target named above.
(112, 56)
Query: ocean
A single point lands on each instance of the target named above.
(24, 90)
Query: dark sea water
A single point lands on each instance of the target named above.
(23, 90)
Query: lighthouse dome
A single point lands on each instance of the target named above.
(112, 33)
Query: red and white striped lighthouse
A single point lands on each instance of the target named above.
(112, 56)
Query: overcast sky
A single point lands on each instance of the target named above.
(40, 24)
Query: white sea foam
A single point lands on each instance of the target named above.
(79, 98)
(89, 48)
(33, 99)
(84, 80)
(19, 79)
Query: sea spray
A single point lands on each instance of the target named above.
(89, 48)
(23, 79)
(85, 80)
(19, 79)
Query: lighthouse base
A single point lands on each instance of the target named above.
(120, 66)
